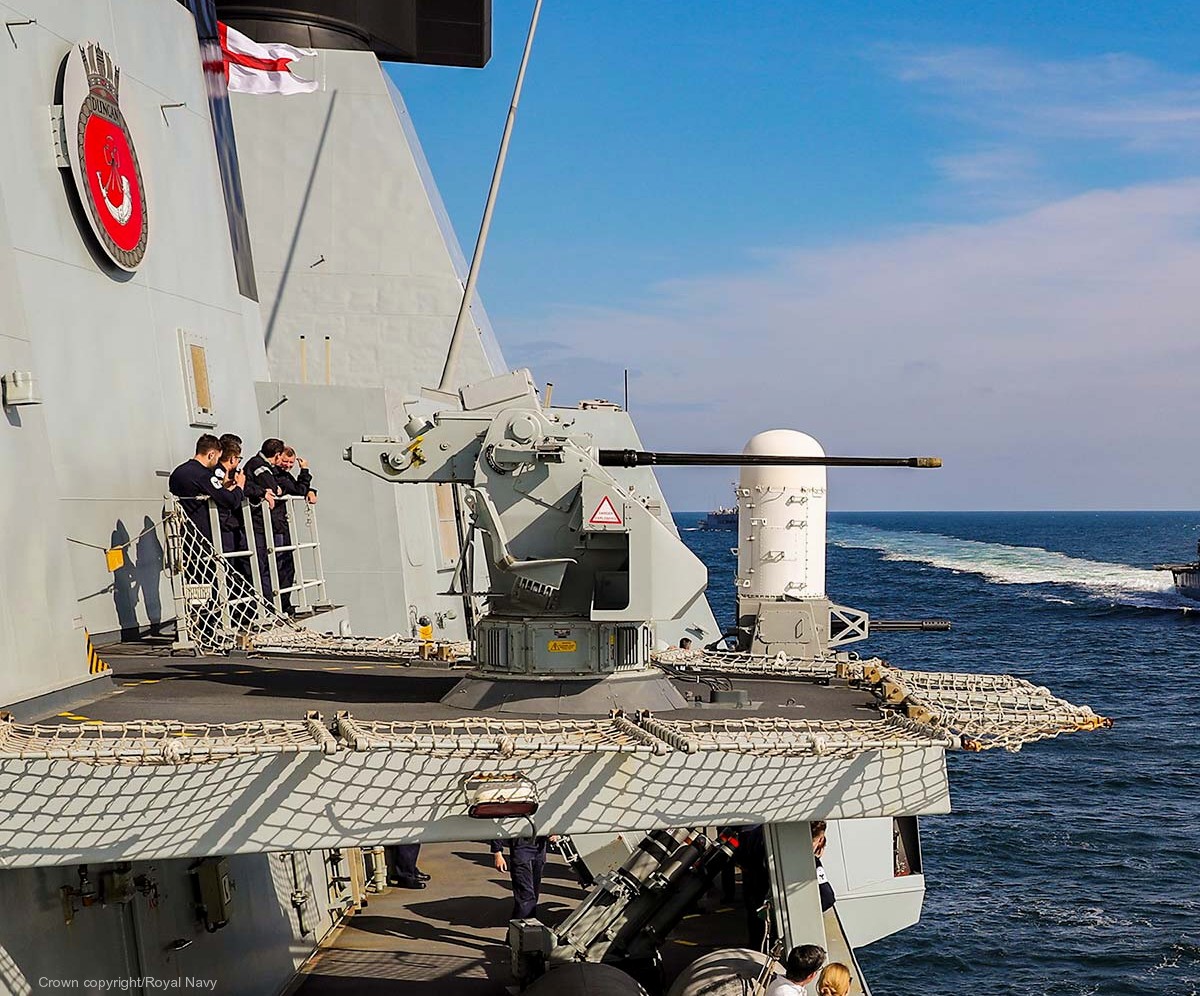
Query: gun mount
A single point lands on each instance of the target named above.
(580, 566)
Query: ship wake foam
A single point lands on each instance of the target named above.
(1017, 565)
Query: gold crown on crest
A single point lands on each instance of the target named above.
(102, 73)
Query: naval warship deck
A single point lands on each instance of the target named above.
(454, 931)
(150, 683)
(416, 942)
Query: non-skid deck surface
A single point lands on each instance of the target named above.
(449, 939)
(148, 683)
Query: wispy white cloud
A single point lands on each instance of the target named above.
(995, 179)
(988, 165)
(1027, 130)
(1115, 97)
(1051, 357)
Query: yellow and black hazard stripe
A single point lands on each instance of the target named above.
(95, 664)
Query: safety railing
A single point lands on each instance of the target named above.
(218, 589)
(300, 542)
(215, 600)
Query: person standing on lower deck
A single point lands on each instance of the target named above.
(402, 866)
(233, 533)
(799, 969)
(526, 859)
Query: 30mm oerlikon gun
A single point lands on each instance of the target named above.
(581, 566)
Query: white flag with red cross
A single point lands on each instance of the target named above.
(254, 68)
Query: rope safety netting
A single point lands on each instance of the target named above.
(906, 724)
(733, 663)
(217, 606)
(219, 609)
(292, 639)
(983, 711)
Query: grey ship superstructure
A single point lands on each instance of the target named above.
(177, 817)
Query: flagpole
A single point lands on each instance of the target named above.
(460, 325)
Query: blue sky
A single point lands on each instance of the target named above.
(969, 230)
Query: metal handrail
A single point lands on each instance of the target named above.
(303, 584)
(295, 548)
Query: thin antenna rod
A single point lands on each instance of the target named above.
(627, 389)
(460, 324)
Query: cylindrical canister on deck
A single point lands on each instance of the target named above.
(725, 972)
(651, 852)
(585, 980)
(781, 520)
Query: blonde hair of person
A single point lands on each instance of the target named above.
(834, 980)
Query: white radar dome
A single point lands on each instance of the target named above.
(781, 520)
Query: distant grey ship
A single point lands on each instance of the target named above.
(721, 517)
(1187, 576)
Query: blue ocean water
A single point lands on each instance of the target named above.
(1072, 867)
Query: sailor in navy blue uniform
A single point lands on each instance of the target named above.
(818, 828)
(233, 530)
(298, 486)
(261, 491)
(751, 857)
(402, 866)
(193, 483)
(526, 858)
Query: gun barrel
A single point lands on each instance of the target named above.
(910, 625)
(647, 458)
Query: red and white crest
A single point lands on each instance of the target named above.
(103, 159)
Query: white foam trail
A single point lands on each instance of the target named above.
(1005, 564)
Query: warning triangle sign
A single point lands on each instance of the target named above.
(605, 514)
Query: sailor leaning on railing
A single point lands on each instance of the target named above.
(212, 478)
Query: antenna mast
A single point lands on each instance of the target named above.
(460, 325)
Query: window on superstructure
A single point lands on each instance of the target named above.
(197, 386)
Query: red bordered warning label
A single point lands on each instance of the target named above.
(605, 514)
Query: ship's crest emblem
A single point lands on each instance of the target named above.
(103, 158)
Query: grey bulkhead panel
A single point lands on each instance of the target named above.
(385, 552)
(349, 237)
(616, 430)
(104, 348)
(257, 954)
(351, 241)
